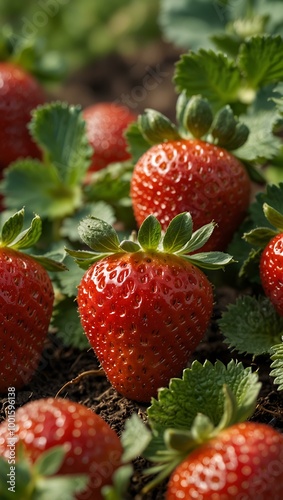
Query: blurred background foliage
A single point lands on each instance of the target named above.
(80, 30)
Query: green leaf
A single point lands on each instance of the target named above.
(100, 209)
(12, 228)
(198, 239)
(210, 74)
(49, 462)
(37, 187)
(83, 258)
(132, 446)
(210, 260)
(149, 234)
(30, 236)
(99, 235)
(274, 217)
(129, 246)
(178, 233)
(68, 282)
(277, 365)
(262, 144)
(260, 236)
(59, 487)
(68, 326)
(261, 60)
(201, 391)
(251, 325)
(111, 183)
(137, 144)
(60, 130)
(156, 128)
(190, 24)
(121, 480)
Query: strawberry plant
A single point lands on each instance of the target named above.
(26, 301)
(144, 304)
(62, 448)
(186, 172)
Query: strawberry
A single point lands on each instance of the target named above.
(243, 461)
(183, 173)
(90, 446)
(144, 305)
(26, 302)
(271, 276)
(105, 124)
(269, 255)
(20, 93)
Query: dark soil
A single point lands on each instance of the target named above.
(145, 82)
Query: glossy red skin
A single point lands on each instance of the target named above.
(20, 93)
(244, 462)
(144, 314)
(26, 303)
(92, 447)
(192, 176)
(271, 272)
(106, 123)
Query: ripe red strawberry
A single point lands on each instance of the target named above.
(91, 446)
(194, 176)
(26, 303)
(244, 461)
(271, 274)
(188, 168)
(105, 124)
(20, 93)
(144, 305)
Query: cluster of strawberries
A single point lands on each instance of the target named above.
(144, 303)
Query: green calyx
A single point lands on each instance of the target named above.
(179, 239)
(195, 118)
(261, 236)
(15, 237)
(23, 480)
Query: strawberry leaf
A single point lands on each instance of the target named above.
(30, 236)
(37, 187)
(277, 365)
(210, 260)
(251, 325)
(261, 60)
(132, 446)
(198, 238)
(259, 236)
(49, 462)
(178, 233)
(12, 228)
(60, 131)
(99, 235)
(58, 487)
(274, 217)
(210, 74)
(201, 391)
(149, 234)
(261, 144)
(68, 326)
(137, 144)
(121, 479)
